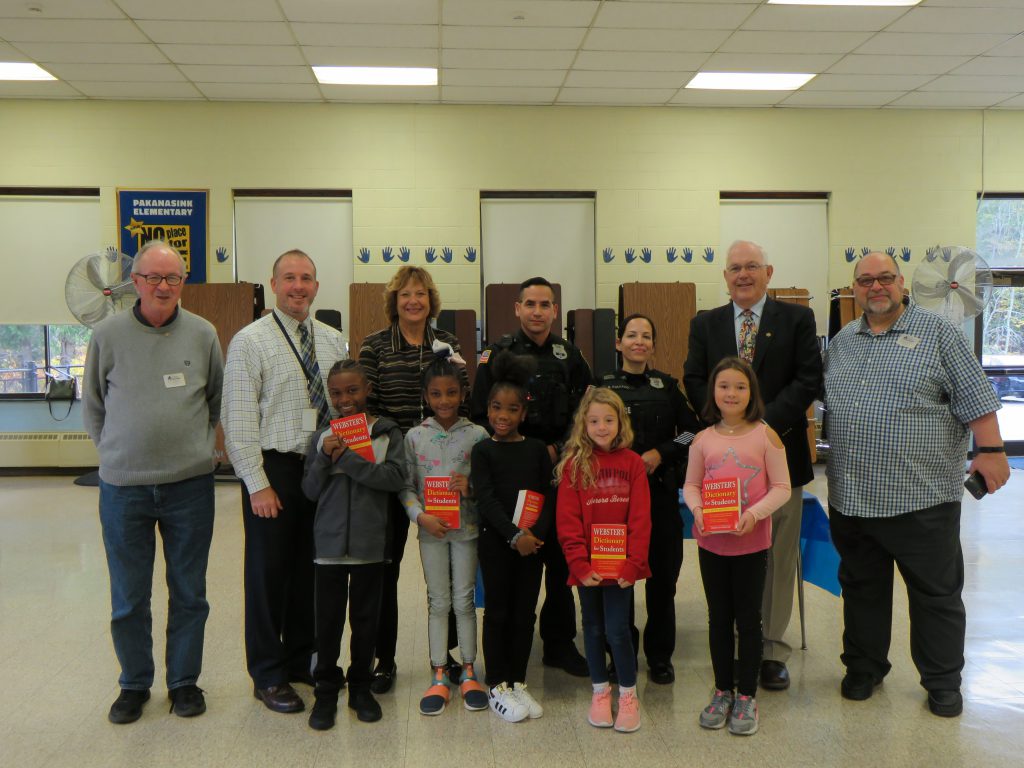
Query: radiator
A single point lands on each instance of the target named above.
(47, 449)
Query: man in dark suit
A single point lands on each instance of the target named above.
(781, 343)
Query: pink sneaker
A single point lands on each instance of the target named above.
(601, 709)
(628, 719)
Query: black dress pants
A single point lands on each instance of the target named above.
(358, 587)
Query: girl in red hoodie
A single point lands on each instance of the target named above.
(604, 527)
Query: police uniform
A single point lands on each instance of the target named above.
(553, 394)
(662, 419)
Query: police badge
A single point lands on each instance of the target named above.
(657, 383)
(558, 350)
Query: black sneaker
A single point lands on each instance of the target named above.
(128, 706)
(568, 659)
(453, 669)
(364, 705)
(661, 672)
(383, 677)
(325, 709)
(187, 701)
(946, 703)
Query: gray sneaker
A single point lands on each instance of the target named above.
(716, 713)
(743, 721)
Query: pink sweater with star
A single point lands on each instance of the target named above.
(764, 483)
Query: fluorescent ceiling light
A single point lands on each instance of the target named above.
(17, 70)
(749, 81)
(844, 2)
(376, 75)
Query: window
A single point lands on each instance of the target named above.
(29, 352)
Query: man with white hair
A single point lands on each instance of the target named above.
(151, 401)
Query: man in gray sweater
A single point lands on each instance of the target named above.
(151, 401)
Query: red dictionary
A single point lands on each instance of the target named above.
(721, 505)
(441, 502)
(528, 508)
(608, 549)
(355, 433)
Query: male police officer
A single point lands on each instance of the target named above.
(554, 393)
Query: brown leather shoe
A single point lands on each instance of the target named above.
(280, 698)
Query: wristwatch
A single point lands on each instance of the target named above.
(990, 449)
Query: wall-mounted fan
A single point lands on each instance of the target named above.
(952, 281)
(99, 285)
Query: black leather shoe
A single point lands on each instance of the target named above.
(306, 678)
(454, 670)
(383, 678)
(774, 675)
(945, 703)
(187, 701)
(858, 686)
(364, 705)
(280, 698)
(325, 709)
(127, 708)
(661, 672)
(568, 659)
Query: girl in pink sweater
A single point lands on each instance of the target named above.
(732, 564)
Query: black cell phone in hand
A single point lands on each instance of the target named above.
(976, 485)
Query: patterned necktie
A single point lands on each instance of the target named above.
(748, 332)
(314, 383)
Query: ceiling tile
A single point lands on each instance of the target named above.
(1015, 102)
(70, 31)
(1014, 47)
(650, 96)
(879, 83)
(233, 54)
(653, 40)
(976, 84)
(10, 53)
(483, 59)
(535, 13)
(37, 89)
(382, 94)
(649, 80)
(855, 64)
(930, 44)
(793, 42)
(267, 74)
(530, 38)
(795, 18)
(218, 32)
(136, 73)
(202, 10)
(61, 9)
(950, 100)
(362, 11)
(144, 91)
(975, 3)
(96, 53)
(370, 57)
(992, 65)
(769, 62)
(640, 62)
(368, 35)
(504, 78)
(474, 95)
(997, 20)
(644, 15)
(840, 98)
(260, 91)
(702, 98)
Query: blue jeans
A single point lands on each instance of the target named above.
(183, 511)
(606, 622)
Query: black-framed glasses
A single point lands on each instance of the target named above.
(884, 279)
(172, 280)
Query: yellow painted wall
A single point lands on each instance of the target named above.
(897, 178)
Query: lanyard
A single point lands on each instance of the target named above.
(302, 365)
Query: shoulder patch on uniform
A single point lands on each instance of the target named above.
(485, 356)
(608, 377)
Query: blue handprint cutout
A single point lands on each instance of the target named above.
(630, 256)
(905, 254)
(430, 255)
(386, 253)
(470, 254)
(112, 253)
(645, 255)
(670, 254)
(864, 251)
(947, 253)
(608, 254)
(364, 255)
(687, 255)
(403, 254)
(709, 254)
(931, 253)
(446, 255)
(891, 250)
(222, 255)
(851, 254)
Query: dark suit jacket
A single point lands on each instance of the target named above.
(787, 363)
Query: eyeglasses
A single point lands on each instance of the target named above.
(885, 279)
(172, 280)
(735, 269)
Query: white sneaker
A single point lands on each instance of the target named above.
(506, 704)
(525, 698)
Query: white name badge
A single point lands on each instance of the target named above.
(172, 380)
(309, 419)
(908, 341)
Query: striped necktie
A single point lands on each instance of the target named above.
(748, 333)
(314, 383)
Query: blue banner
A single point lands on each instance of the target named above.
(179, 217)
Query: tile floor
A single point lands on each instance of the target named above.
(59, 674)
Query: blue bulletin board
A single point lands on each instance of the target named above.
(179, 217)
